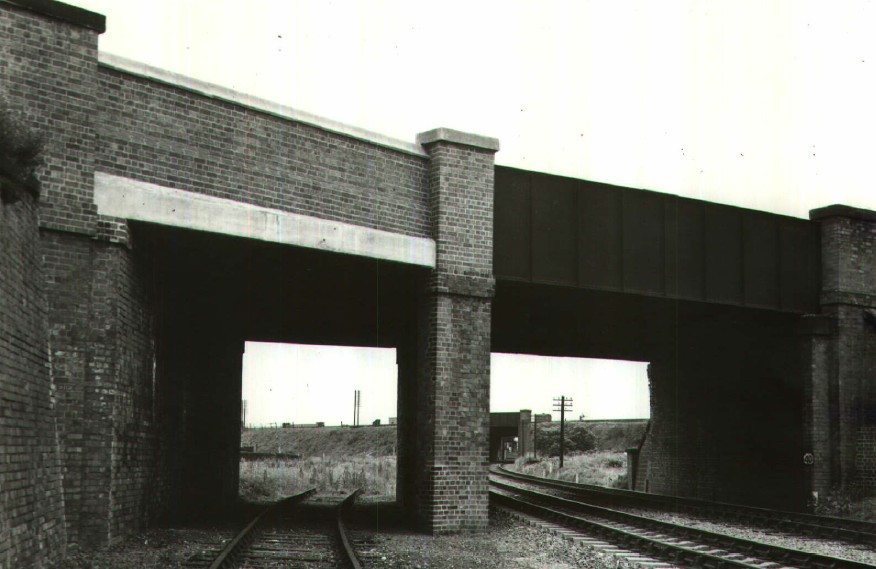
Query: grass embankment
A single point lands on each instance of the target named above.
(335, 460)
(322, 441)
(595, 452)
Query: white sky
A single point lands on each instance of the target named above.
(767, 105)
(294, 383)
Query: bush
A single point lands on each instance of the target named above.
(578, 438)
(20, 155)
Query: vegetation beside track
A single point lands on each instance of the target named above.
(602, 467)
(334, 442)
(271, 479)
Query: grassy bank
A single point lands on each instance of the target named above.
(334, 460)
(322, 441)
(603, 467)
(262, 480)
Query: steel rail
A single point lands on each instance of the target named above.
(346, 543)
(242, 540)
(855, 531)
(763, 551)
(672, 552)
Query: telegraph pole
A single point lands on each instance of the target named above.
(357, 402)
(562, 404)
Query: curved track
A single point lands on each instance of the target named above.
(291, 533)
(824, 527)
(673, 543)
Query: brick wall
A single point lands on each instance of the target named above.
(101, 340)
(819, 403)
(48, 67)
(182, 139)
(47, 62)
(454, 335)
(848, 240)
(32, 530)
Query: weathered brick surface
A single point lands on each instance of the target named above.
(452, 398)
(182, 139)
(816, 334)
(848, 238)
(47, 68)
(32, 530)
(101, 341)
(46, 71)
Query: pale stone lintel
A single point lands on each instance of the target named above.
(122, 197)
(214, 91)
(837, 210)
(458, 137)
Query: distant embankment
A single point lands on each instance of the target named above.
(329, 441)
(617, 434)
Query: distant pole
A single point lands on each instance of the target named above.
(562, 404)
(357, 402)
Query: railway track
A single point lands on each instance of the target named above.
(674, 544)
(809, 525)
(290, 534)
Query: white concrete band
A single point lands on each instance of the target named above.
(262, 105)
(118, 196)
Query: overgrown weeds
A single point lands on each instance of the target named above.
(271, 479)
(605, 468)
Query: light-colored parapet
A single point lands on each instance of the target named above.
(458, 137)
(256, 103)
(132, 199)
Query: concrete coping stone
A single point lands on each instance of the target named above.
(458, 137)
(838, 210)
(214, 91)
(63, 12)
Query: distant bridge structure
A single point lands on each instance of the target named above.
(177, 220)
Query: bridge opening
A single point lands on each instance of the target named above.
(317, 416)
(217, 297)
(606, 414)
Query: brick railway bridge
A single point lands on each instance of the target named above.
(177, 219)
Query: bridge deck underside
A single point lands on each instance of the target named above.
(724, 380)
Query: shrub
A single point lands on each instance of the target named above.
(20, 155)
(578, 438)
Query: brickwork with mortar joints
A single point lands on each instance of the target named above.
(32, 528)
(848, 299)
(454, 353)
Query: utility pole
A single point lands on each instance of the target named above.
(357, 403)
(243, 415)
(562, 404)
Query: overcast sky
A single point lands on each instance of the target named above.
(766, 105)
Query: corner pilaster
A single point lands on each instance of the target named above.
(848, 298)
